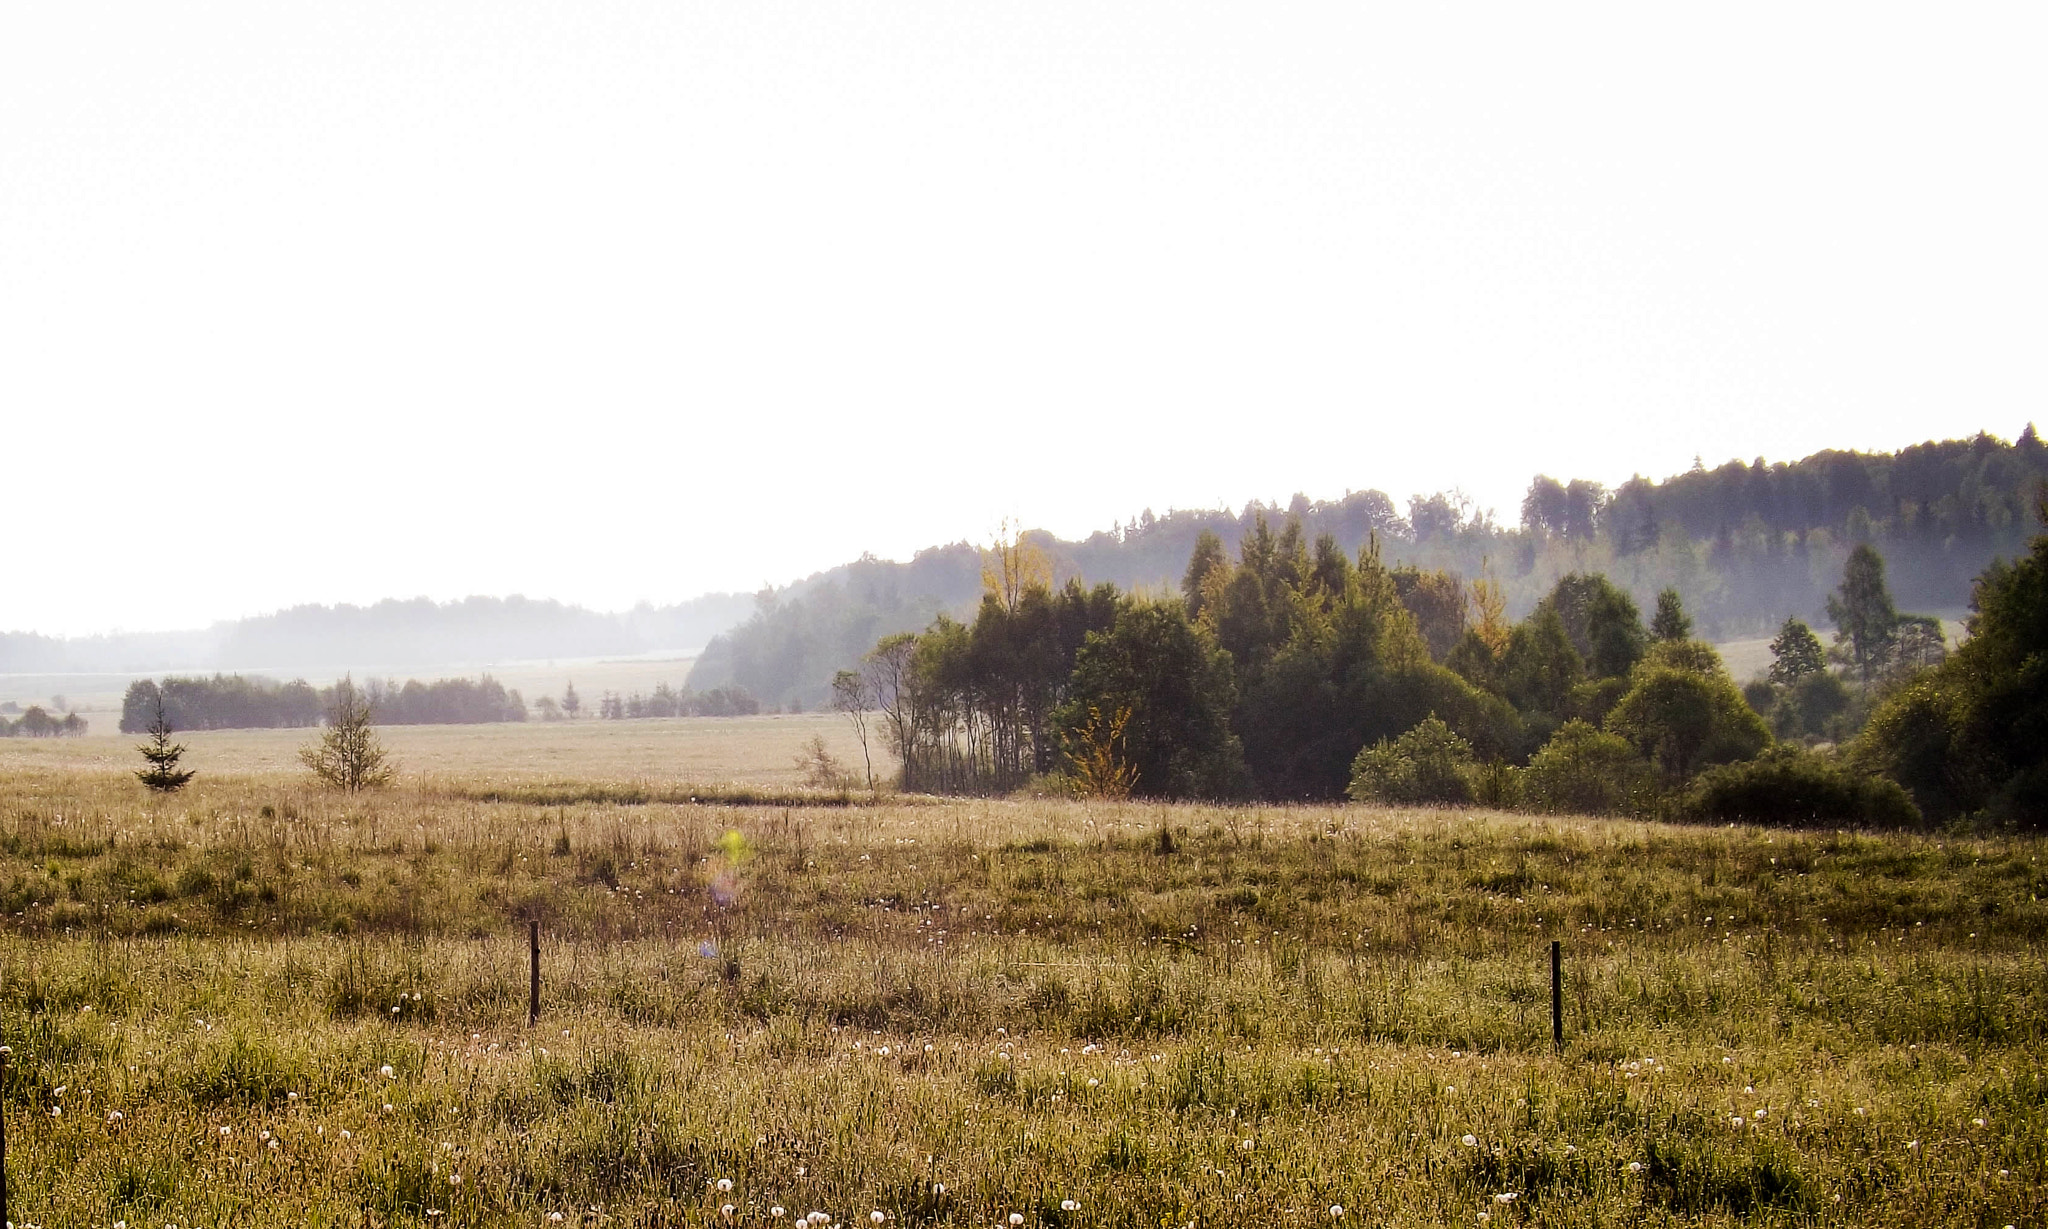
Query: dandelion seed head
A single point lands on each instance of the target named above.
(724, 1185)
(1470, 1141)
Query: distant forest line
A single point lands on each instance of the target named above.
(257, 702)
(254, 702)
(1745, 546)
(38, 722)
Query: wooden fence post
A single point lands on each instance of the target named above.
(533, 984)
(1557, 993)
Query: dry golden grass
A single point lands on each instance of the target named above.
(1025, 1003)
(758, 750)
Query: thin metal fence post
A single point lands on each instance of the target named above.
(533, 984)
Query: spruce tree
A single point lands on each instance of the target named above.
(1671, 621)
(1865, 619)
(163, 774)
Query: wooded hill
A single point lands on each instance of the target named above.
(391, 633)
(1745, 545)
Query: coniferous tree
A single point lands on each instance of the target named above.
(1670, 622)
(1863, 612)
(163, 774)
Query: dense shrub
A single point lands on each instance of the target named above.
(1791, 785)
(1587, 771)
(1428, 764)
(1684, 712)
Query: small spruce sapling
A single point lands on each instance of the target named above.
(163, 774)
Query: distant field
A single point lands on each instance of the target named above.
(759, 750)
(262, 1005)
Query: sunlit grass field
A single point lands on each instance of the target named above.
(259, 1004)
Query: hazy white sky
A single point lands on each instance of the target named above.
(612, 301)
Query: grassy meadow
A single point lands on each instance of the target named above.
(257, 1004)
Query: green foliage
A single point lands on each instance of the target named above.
(1332, 659)
(1862, 610)
(1593, 699)
(1796, 653)
(1671, 622)
(1817, 706)
(1743, 543)
(236, 701)
(1436, 600)
(972, 707)
(1602, 622)
(1972, 733)
(1585, 770)
(1683, 711)
(37, 722)
(1427, 764)
(1207, 560)
(1541, 666)
(1793, 786)
(1176, 684)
